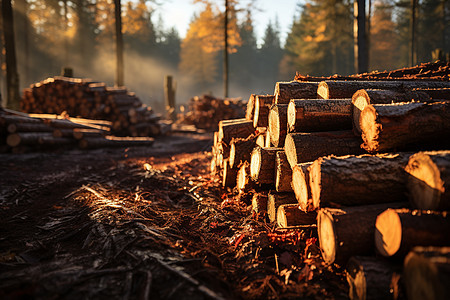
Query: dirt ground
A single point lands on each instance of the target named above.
(145, 223)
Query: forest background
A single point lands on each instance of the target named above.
(53, 34)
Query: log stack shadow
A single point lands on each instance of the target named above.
(368, 155)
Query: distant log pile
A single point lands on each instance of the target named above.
(335, 154)
(206, 111)
(93, 100)
(21, 132)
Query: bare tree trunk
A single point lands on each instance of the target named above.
(225, 53)
(413, 53)
(12, 77)
(119, 43)
(360, 37)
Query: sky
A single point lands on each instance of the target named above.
(178, 13)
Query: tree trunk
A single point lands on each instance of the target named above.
(119, 43)
(278, 124)
(362, 98)
(262, 109)
(399, 230)
(283, 173)
(319, 115)
(289, 215)
(259, 203)
(262, 165)
(429, 180)
(341, 89)
(346, 232)
(305, 147)
(241, 149)
(426, 273)
(285, 91)
(437, 93)
(358, 180)
(225, 52)
(229, 174)
(370, 278)
(300, 185)
(12, 76)
(28, 127)
(237, 128)
(400, 126)
(361, 49)
(274, 200)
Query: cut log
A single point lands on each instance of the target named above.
(274, 200)
(267, 142)
(358, 180)
(319, 115)
(285, 91)
(261, 140)
(229, 174)
(241, 149)
(27, 139)
(259, 203)
(283, 173)
(28, 127)
(429, 180)
(238, 128)
(426, 273)
(278, 124)
(439, 93)
(362, 98)
(402, 125)
(371, 278)
(262, 165)
(243, 180)
(399, 230)
(112, 141)
(289, 215)
(250, 111)
(300, 185)
(346, 232)
(339, 89)
(305, 147)
(262, 109)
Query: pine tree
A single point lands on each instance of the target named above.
(270, 55)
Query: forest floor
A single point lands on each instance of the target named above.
(145, 223)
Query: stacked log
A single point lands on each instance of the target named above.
(93, 100)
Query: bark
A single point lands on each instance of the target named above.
(402, 126)
(283, 173)
(349, 231)
(259, 203)
(438, 93)
(340, 89)
(371, 278)
(237, 128)
(305, 147)
(399, 230)
(278, 124)
(274, 200)
(289, 215)
(262, 109)
(36, 139)
(300, 185)
(362, 98)
(285, 91)
(229, 174)
(319, 115)
(241, 149)
(262, 165)
(426, 273)
(28, 127)
(358, 180)
(429, 180)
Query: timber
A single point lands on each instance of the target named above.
(274, 200)
(283, 173)
(305, 147)
(358, 180)
(429, 180)
(399, 230)
(426, 273)
(349, 231)
(262, 165)
(241, 148)
(440, 93)
(250, 111)
(285, 91)
(371, 278)
(300, 185)
(402, 125)
(289, 215)
(243, 180)
(229, 174)
(112, 141)
(278, 124)
(236, 128)
(319, 115)
(259, 203)
(338, 89)
(362, 98)
(262, 109)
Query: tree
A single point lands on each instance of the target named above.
(360, 36)
(119, 43)
(270, 54)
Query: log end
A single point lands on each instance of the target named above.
(370, 129)
(255, 163)
(274, 127)
(13, 140)
(360, 100)
(327, 237)
(322, 90)
(315, 182)
(300, 187)
(232, 157)
(291, 116)
(356, 280)
(290, 150)
(424, 182)
(388, 233)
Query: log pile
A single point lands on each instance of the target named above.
(21, 132)
(368, 156)
(93, 100)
